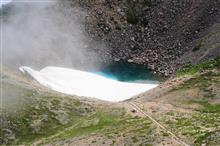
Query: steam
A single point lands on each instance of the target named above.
(49, 33)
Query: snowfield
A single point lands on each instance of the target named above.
(81, 83)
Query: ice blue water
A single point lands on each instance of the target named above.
(127, 72)
(110, 76)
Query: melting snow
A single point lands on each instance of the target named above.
(75, 82)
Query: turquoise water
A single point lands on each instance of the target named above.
(110, 76)
(128, 72)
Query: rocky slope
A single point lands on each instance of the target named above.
(163, 35)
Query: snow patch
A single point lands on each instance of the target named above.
(81, 83)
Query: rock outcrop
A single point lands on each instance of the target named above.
(157, 33)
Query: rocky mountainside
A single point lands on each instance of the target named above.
(164, 35)
(161, 34)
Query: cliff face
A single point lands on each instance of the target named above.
(161, 34)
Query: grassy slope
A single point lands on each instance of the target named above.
(192, 105)
(203, 125)
(30, 116)
(193, 69)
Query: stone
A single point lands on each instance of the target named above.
(117, 59)
(151, 66)
(130, 60)
(133, 110)
(132, 38)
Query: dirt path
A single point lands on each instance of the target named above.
(178, 140)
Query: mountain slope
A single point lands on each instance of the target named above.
(32, 115)
(163, 35)
(189, 104)
(171, 37)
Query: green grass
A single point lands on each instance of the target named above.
(195, 126)
(83, 119)
(35, 115)
(209, 139)
(202, 125)
(77, 125)
(111, 126)
(104, 120)
(202, 82)
(207, 107)
(193, 69)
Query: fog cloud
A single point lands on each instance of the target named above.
(49, 33)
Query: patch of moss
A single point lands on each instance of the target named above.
(164, 133)
(210, 138)
(193, 69)
(134, 139)
(206, 82)
(198, 127)
(36, 115)
(207, 107)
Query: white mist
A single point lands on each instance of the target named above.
(4, 2)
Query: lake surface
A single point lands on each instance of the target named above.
(128, 72)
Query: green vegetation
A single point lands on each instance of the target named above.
(44, 118)
(207, 82)
(34, 115)
(199, 95)
(210, 138)
(201, 127)
(202, 122)
(206, 106)
(87, 125)
(193, 69)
